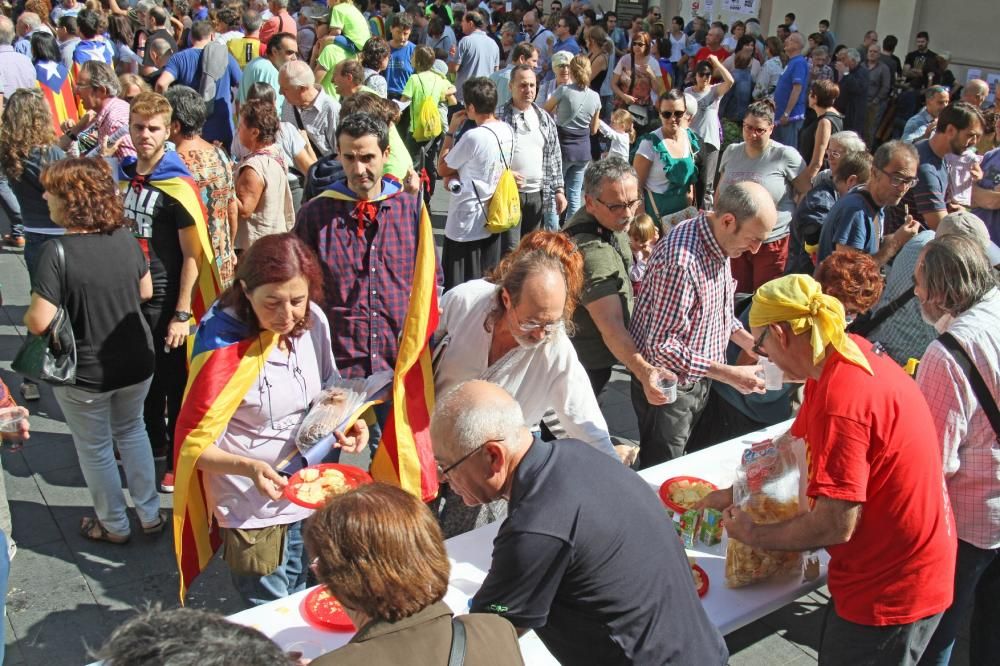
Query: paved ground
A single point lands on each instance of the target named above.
(67, 593)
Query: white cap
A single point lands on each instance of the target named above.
(964, 222)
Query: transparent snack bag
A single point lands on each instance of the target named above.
(767, 487)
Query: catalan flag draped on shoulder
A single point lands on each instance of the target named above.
(171, 176)
(225, 363)
(405, 457)
(57, 88)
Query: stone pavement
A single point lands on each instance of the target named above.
(67, 593)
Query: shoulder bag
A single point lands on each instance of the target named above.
(976, 381)
(456, 657)
(51, 356)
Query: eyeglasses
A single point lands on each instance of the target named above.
(835, 154)
(443, 472)
(676, 115)
(635, 44)
(621, 207)
(758, 342)
(703, 73)
(756, 131)
(899, 181)
(532, 326)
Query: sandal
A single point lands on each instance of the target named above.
(158, 526)
(92, 528)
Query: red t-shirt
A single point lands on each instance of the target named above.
(872, 440)
(721, 53)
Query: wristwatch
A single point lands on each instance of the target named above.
(182, 316)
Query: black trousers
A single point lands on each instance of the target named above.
(163, 402)
(664, 430)
(462, 261)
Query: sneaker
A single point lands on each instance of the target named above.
(11, 240)
(167, 484)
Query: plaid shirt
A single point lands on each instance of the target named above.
(552, 171)
(684, 316)
(366, 279)
(969, 446)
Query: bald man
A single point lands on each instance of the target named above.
(309, 108)
(584, 557)
(683, 319)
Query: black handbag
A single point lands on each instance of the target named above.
(51, 357)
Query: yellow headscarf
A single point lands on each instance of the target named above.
(800, 301)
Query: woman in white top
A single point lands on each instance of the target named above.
(774, 65)
(511, 330)
(706, 123)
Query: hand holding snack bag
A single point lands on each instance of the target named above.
(767, 488)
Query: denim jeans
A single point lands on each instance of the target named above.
(788, 134)
(977, 587)
(290, 577)
(573, 177)
(10, 206)
(97, 421)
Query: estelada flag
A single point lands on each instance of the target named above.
(171, 176)
(405, 457)
(57, 88)
(225, 362)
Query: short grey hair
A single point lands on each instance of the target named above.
(819, 50)
(737, 200)
(853, 55)
(252, 21)
(956, 272)
(460, 426)
(160, 47)
(888, 151)
(30, 20)
(102, 76)
(850, 141)
(280, 3)
(299, 73)
(143, 6)
(6, 31)
(613, 168)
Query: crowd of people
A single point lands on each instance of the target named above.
(229, 205)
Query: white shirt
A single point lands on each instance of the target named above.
(656, 181)
(619, 141)
(479, 163)
(529, 145)
(970, 452)
(547, 377)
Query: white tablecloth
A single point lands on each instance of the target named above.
(470, 555)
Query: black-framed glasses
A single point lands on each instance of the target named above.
(703, 73)
(756, 131)
(676, 115)
(443, 472)
(899, 181)
(621, 207)
(758, 342)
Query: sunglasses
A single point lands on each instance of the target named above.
(676, 115)
(642, 44)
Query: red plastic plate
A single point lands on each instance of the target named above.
(353, 476)
(322, 609)
(665, 491)
(703, 590)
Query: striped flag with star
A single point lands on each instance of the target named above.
(54, 81)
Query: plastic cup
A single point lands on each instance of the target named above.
(669, 388)
(773, 376)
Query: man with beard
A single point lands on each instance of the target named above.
(600, 231)
(364, 229)
(684, 319)
(959, 126)
(857, 220)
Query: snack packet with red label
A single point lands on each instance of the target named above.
(767, 488)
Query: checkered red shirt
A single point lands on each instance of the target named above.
(684, 316)
(366, 279)
(969, 447)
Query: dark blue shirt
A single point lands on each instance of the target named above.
(185, 66)
(588, 559)
(851, 222)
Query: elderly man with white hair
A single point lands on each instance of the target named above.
(27, 24)
(309, 108)
(853, 99)
(574, 560)
(18, 72)
(965, 170)
(790, 93)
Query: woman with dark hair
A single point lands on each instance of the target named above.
(781, 171)
(665, 160)
(122, 36)
(275, 303)
(54, 81)
(98, 274)
(511, 329)
(380, 553)
(375, 58)
(636, 81)
(212, 171)
(814, 138)
(263, 196)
